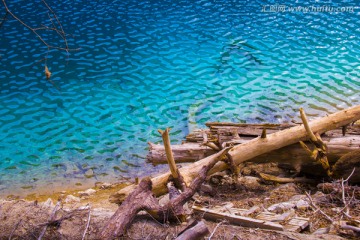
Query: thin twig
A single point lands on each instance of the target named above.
(317, 209)
(344, 198)
(87, 225)
(213, 232)
(15, 227)
(346, 204)
(350, 227)
(67, 49)
(18, 223)
(52, 216)
(4, 19)
(346, 180)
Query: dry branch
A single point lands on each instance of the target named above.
(196, 230)
(319, 154)
(87, 224)
(271, 178)
(58, 29)
(179, 182)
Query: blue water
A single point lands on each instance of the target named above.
(144, 65)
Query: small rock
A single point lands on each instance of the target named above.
(281, 207)
(71, 199)
(48, 203)
(227, 180)
(249, 182)
(87, 193)
(106, 186)
(207, 189)
(302, 204)
(298, 197)
(163, 200)
(89, 173)
(215, 180)
(103, 185)
(246, 171)
(90, 191)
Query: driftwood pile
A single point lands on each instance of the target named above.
(229, 146)
(205, 142)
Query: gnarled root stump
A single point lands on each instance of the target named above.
(142, 199)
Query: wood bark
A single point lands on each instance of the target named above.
(253, 148)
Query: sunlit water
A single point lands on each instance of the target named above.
(144, 65)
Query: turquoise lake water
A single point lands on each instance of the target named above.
(147, 65)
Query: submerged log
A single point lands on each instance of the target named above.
(254, 148)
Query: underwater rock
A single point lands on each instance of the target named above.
(89, 173)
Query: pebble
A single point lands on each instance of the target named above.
(298, 197)
(163, 200)
(281, 207)
(71, 199)
(87, 193)
(249, 182)
(207, 189)
(48, 203)
(215, 180)
(302, 204)
(103, 185)
(106, 186)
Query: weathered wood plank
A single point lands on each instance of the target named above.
(238, 220)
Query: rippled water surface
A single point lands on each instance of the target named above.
(143, 65)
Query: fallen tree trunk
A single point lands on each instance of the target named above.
(253, 148)
(192, 152)
(187, 152)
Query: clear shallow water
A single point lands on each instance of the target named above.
(144, 65)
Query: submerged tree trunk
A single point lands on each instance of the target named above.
(253, 148)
